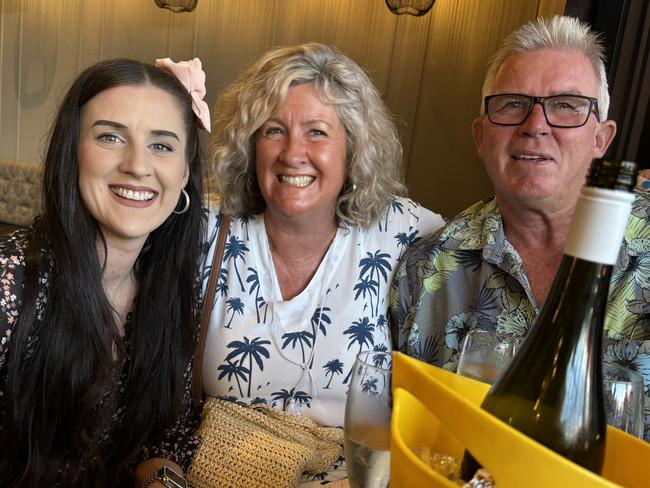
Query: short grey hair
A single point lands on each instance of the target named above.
(374, 152)
(558, 32)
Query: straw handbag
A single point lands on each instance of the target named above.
(254, 446)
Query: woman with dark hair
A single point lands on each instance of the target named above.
(100, 295)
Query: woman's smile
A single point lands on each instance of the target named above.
(297, 181)
(133, 197)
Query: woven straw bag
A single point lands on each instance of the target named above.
(259, 446)
(254, 446)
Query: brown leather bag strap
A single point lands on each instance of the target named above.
(208, 302)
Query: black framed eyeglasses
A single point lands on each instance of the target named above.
(564, 111)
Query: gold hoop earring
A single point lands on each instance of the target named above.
(349, 188)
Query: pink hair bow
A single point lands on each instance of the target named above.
(192, 76)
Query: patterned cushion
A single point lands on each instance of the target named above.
(20, 197)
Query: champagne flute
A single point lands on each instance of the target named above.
(367, 421)
(485, 353)
(623, 394)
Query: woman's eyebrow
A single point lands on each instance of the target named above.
(165, 133)
(317, 121)
(155, 132)
(110, 123)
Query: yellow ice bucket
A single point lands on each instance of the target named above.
(439, 410)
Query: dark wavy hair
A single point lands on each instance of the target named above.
(61, 396)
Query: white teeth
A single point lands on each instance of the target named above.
(299, 181)
(139, 196)
(529, 157)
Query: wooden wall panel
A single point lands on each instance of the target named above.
(91, 26)
(230, 38)
(548, 8)
(135, 29)
(444, 172)
(10, 50)
(363, 29)
(182, 36)
(49, 53)
(405, 75)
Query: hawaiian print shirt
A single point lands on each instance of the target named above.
(177, 443)
(469, 276)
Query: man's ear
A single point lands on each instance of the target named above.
(477, 134)
(603, 138)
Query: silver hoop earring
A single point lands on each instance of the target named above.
(187, 203)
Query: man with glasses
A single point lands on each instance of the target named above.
(543, 120)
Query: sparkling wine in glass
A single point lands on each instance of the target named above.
(367, 421)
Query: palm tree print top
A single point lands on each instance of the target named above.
(297, 354)
(470, 277)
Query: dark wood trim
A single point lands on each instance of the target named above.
(625, 26)
(630, 84)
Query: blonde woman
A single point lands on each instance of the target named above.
(307, 164)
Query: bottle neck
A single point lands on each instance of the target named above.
(598, 225)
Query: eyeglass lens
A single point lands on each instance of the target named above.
(561, 110)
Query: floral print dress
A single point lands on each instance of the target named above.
(177, 443)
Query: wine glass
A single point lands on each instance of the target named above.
(623, 395)
(367, 421)
(485, 353)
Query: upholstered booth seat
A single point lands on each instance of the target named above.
(20, 197)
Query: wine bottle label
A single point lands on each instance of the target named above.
(598, 225)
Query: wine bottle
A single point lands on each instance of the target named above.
(552, 391)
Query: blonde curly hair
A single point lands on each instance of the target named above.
(374, 152)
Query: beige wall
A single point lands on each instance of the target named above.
(428, 68)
